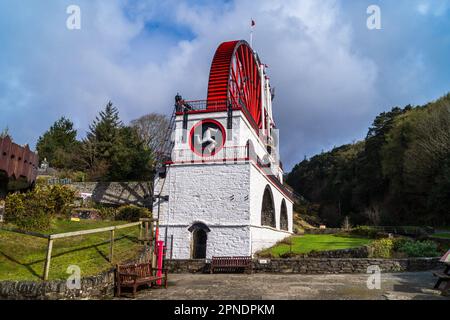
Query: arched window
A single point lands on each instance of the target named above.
(199, 239)
(283, 217)
(268, 209)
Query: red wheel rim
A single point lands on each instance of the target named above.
(235, 78)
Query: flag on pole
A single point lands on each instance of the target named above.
(252, 25)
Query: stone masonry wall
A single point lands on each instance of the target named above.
(117, 193)
(316, 265)
(100, 286)
(96, 286)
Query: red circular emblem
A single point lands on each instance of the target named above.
(207, 137)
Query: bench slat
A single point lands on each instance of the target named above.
(442, 275)
(223, 264)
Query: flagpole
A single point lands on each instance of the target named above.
(252, 25)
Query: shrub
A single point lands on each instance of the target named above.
(132, 213)
(42, 180)
(75, 176)
(14, 207)
(33, 210)
(27, 211)
(365, 231)
(265, 254)
(382, 248)
(107, 213)
(287, 255)
(419, 248)
(62, 198)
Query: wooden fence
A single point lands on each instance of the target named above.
(146, 234)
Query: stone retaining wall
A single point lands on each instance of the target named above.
(344, 265)
(316, 265)
(359, 252)
(100, 286)
(117, 193)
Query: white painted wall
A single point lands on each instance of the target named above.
(226, 197)
(265, 237)
(222, 241)
(257, 187)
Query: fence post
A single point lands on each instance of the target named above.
(111, 247)
(48, 258)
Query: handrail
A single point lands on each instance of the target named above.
(91, 231)
(226, 153)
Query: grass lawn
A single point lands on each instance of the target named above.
(312, 242)
(23, 257)
(444, 235)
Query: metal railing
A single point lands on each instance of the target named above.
(198, 105)
(225, 154)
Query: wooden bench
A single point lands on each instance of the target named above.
(442, 277)
(135, 275)
(231, 264)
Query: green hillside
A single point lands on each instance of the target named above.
(399, 174)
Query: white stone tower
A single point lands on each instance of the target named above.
(222, 192)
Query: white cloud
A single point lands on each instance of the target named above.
(326, 90)
(433, 7)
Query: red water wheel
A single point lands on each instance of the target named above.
(235, 78)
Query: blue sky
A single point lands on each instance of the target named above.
(332, 75)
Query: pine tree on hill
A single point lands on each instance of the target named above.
(57, 144)
(104, 131)
(114, 152)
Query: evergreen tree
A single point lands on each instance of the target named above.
(5, 133)
(114, 152)
(104, 131)
(58, 143)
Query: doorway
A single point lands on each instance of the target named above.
(199, 244)
(199, 240)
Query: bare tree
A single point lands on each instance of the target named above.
(346, 224)
(373, 214)
(152, 128)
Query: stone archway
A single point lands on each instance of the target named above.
(199, 240)
(268, 209)
(284, 225)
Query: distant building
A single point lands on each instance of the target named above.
(18, 166)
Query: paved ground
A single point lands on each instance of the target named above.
(399, 286)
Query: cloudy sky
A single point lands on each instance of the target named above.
(332, 74)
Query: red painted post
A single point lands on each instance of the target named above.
(159, 263)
